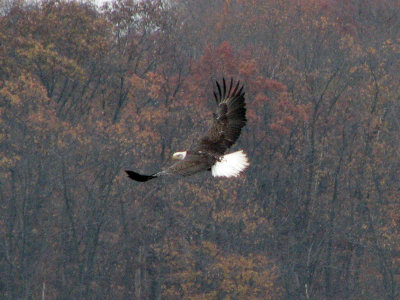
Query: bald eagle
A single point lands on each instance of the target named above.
(208, 154)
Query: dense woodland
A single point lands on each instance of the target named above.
(87, 91)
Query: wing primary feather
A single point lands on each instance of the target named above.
(216, 98)
(240, 91)
(223, 81)
(230, 88)
(236, 87)
(219, 91)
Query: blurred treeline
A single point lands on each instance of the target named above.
(86, 92)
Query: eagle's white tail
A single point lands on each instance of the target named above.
(230, 165)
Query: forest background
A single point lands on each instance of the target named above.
(86, 92)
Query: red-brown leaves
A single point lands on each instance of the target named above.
(85, 94)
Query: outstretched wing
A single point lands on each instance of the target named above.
(229, 119)
(193, 163)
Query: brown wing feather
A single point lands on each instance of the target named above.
(229, 120)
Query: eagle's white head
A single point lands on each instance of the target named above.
(179, 155)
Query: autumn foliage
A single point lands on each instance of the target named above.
(88, 91)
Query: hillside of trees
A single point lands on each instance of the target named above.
(87, 92)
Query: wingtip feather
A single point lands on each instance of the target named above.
(139, 177)
(219, 91)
